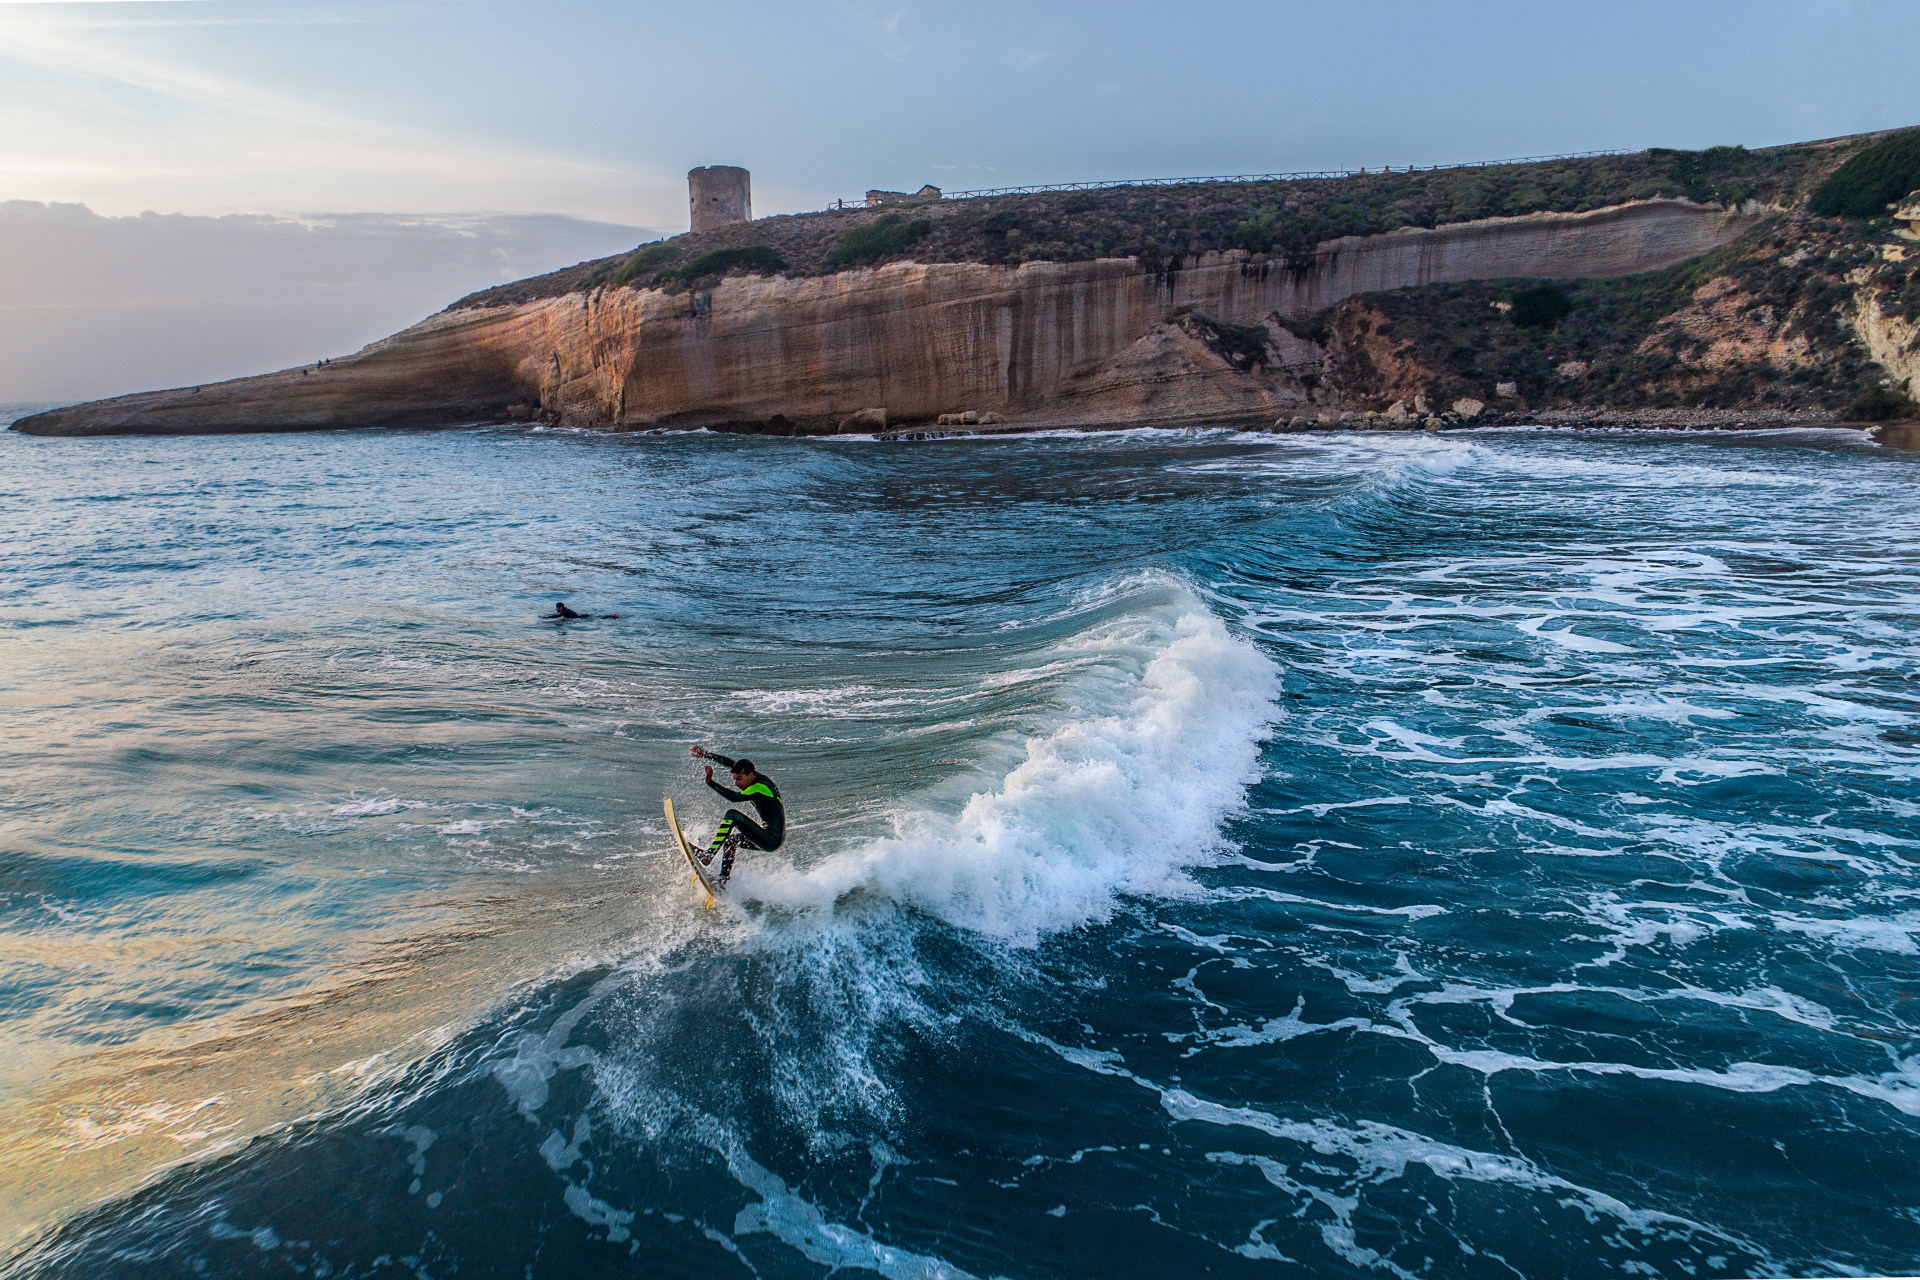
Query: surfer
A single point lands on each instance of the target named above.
(563, 614)
(736, 827)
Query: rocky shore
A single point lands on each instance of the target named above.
(1470, 414)
(1903, 434)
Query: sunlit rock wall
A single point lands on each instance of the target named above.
(1040, 342)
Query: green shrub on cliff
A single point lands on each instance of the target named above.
(1260, 231)
(754, 259)
(1164, 226)
(885, 236)
(1864, 186)
(1242, 345)
(648, 257)
(1717, 175)
(1540, 307)
(1880, 404)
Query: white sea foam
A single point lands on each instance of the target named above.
(1890, 934)
(379, 806)
(848, 702)
(1382, 1153)
(1567, 638)
(472, 826)
(1898, 1088)
(833, 1245)
(1118, 798)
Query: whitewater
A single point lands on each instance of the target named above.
(1210, 853)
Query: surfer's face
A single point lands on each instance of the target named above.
(741, 778)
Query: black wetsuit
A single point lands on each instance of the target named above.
(563, 614)
(764, 794)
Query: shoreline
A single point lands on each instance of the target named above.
(1686, 420)
(1900, 433)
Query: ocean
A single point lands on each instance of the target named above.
(1483, 854)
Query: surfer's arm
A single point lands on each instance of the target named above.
(734, 796)
(725, 762)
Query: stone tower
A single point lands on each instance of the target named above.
(719, 194)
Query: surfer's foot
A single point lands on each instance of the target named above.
(706, 859)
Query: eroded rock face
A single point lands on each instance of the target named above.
(1041, 343)
(1368, 362)
(1892, 341)
(1728, 327)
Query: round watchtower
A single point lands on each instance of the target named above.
(719, 194)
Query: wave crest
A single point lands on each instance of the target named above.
(1159, 745)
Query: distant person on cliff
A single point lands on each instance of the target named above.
(736, 827)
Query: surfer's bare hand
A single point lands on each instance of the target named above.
(696, 752)
(709, 773)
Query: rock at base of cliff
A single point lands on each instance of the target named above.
(1177, 372)
(864, 420)
(1468, 408)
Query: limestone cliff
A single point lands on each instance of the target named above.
(1199, 338)
(1802, 316)
(1892, 340)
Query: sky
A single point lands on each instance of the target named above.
(460, 113)
(93, 306)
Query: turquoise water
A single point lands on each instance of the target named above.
(1211, 854)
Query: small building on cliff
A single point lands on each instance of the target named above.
(877, 197)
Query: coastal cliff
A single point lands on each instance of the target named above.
(1039, 342)
(1719, 289)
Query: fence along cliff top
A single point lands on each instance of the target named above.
(1299, 176)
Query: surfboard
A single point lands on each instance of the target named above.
(700, 876)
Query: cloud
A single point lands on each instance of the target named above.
(93, 306)
(896, 46)
(125, 129)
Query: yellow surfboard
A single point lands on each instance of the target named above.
(699, 872)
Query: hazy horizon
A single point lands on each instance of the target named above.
(93, 306)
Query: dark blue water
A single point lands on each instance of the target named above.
(1478, 855)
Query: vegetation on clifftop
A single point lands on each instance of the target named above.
(1765, 322)
(887, 236)
(1873, 179)
(1769, 322)
(643, 263)
(752, 260)
(1161, 224)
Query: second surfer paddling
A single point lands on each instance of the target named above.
(736, 827)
